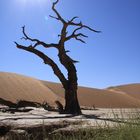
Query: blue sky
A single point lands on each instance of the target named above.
(109, 58)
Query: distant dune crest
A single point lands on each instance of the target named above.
(15, 87)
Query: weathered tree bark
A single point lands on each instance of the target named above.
(71, 101)
(70, 83)
(72, 105)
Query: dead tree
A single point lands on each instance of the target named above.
(70, 82)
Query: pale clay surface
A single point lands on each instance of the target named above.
(90, 118)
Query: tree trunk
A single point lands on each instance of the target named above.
(71, 102)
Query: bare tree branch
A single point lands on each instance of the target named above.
(83, 26)
(57, 13)
(67, 51)
(73, 19)
(63, 35)
(75, 35)
(91, 29)
(37, 42)
(54, 17)
(46, 60)
(81, 40)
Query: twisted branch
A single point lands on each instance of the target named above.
(46, 60)
(65, 60)
(63, 36)
(37, 42)
(73, 19)
(59, 17)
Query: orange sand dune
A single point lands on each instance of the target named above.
(97, 97)
(15, 87)
(132, 90)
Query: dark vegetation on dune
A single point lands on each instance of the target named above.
(19, 106)
(7, 103)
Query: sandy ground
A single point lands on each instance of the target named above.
(90, 118)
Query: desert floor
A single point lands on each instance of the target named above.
(90, 118)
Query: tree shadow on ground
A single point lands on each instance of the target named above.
(115, 120)
(73, 117)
